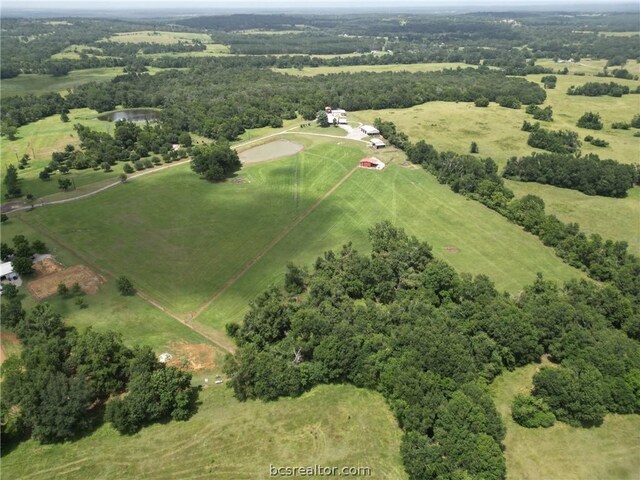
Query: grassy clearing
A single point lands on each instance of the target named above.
(334, 425)
(39, 84)
(40, 139)
(413, 199)
(588, 66)
(212, 49)
(216, 227)
(563, 452)
(612, 218)
(160, 38)
(453, 126)
(134, 318)
(412, 67)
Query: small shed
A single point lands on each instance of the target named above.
(377, 143)
(372, 162)
(369, 130)
(6, 270)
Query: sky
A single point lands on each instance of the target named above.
(214, 5)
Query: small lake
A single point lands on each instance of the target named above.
(132, 115)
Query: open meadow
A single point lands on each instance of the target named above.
(497, 130)
(38, 84)
(611, 218)
(562, 452)
(332, 425)
(410, 67)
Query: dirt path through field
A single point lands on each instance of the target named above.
(270, 246)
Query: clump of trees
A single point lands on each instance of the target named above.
(588, 174)
(409, 326)
(596, 89)
(215, 161)
(545, 114)
(532, 412)
(549, 81)
(58, 388)
(591, 121)
(557, 141)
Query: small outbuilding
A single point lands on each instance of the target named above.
(372, 162)
(336, 115)
(377, 143)
(369, 130)
(6, 271)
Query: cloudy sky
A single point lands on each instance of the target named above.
(214, 5)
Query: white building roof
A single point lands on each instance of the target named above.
(5, 269)
(369, 130)
(377, 142)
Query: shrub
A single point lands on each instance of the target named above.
(127, 168)
(482, 102)
(139, 165)
(474, 148)
(598, 142)
(531, 412)
(621, 126)
(125, 287)
(509, 102)
(591, 121)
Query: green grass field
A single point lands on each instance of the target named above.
(612, 218)
(563, 452)
(219, 228)
(589, 66)
(412, 67)
(453, 126)
(136, 320)
(157, 37)
(39, 83)
(40, 139)
(331, 426)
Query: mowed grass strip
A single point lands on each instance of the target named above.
(336, 425)
(563, 452)
(178, 237)
(158, 37)
(611, 218)
(497, 130)
(485, 242)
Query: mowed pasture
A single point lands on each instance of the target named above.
(136, 320)
(611, 218)
(178, 237)
(181, 239)
(335, 425)
(589, 66)
(410, 67)
(497, 130)
(562, 452)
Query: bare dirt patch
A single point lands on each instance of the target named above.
(46, 286)
(270, 151)
(451, 249)
(47, 266)
(193, 356)
(10, 341)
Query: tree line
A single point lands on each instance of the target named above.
(429, 340)
(588, 174)
(603, 260)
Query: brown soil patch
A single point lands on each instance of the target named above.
(239, 180)
(451, 249)
(193, 356)
(46, 286)
(8, 338)
(47, 266)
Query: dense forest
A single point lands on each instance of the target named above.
(409, 326)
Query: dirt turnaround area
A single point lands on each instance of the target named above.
(51, 274)
(193, 356)
(270, 151)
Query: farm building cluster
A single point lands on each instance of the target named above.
(372, 132)
(336, 116)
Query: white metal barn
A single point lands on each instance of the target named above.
(369, 130)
